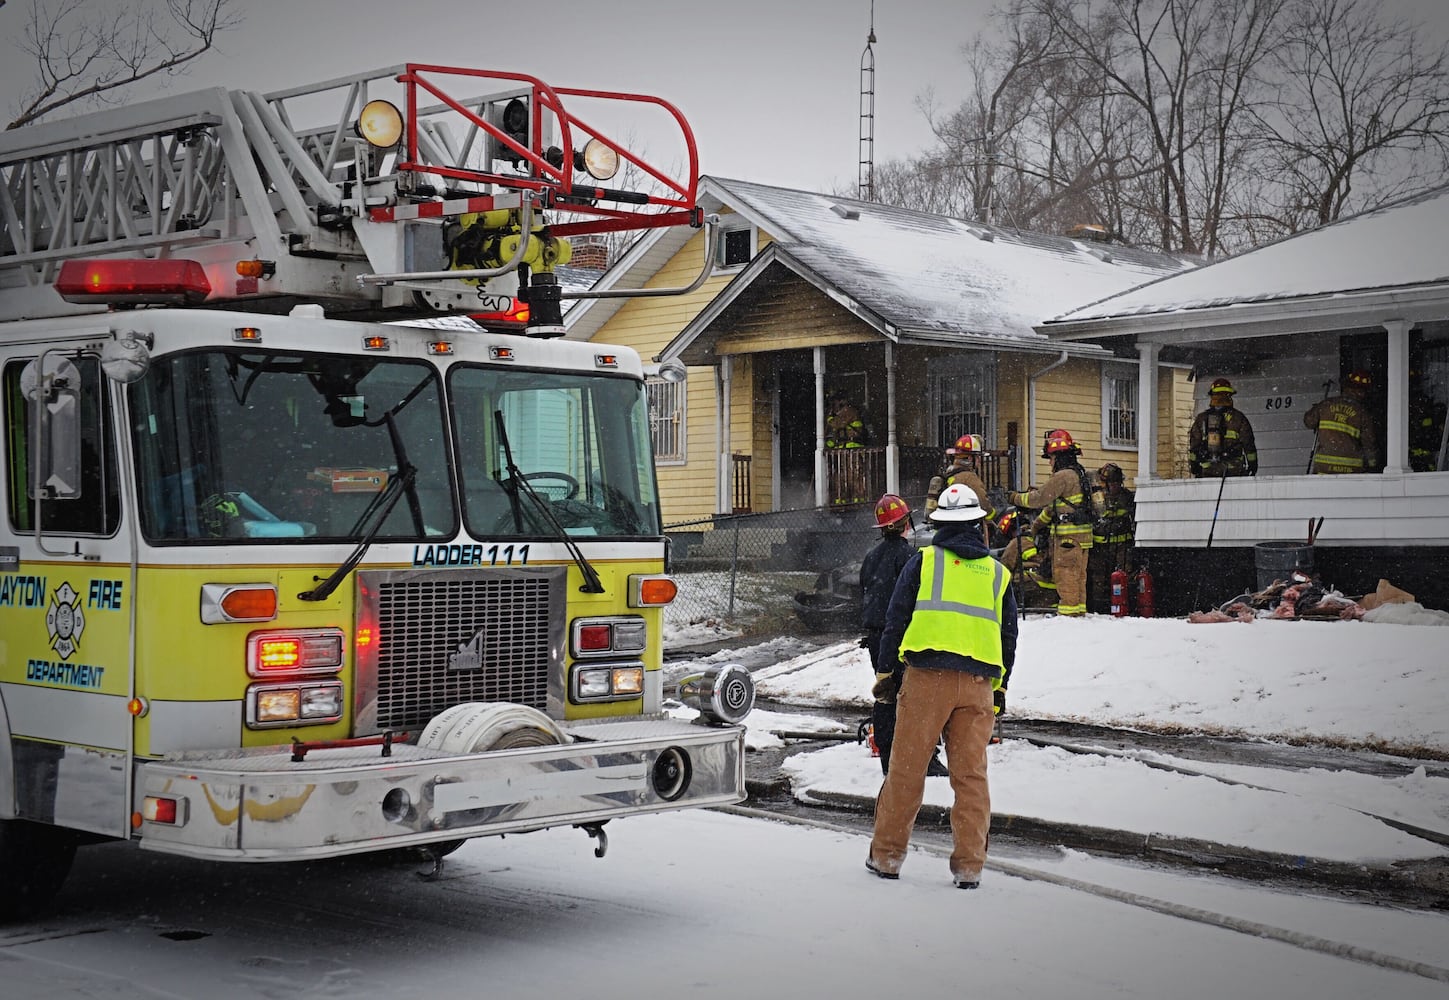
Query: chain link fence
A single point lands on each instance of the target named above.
(744, 571)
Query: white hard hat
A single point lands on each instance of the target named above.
(958, 503)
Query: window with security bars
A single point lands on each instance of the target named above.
(1119, 408)
(666, 419)
(964, 402)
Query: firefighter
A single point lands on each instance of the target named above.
(962, 467)
(878, 573)
(1426, 427)
(1221, 439)
(845, 429)
(1067, 512)
(950, 638)
(1345, 440)
(1112, 537)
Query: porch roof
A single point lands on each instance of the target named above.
(1392, 262)
(916, 277)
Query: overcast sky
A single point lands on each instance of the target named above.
(771, 88)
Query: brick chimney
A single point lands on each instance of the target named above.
(592, 255)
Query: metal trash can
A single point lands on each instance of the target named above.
(1278, 560)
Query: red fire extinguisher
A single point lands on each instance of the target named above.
(1142, 580)
(1119, 593)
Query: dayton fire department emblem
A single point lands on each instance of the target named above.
(64, 621)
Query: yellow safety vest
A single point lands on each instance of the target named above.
(959, 608)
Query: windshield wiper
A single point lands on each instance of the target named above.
(516, 483)
(377, 511)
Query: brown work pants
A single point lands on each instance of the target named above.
(929, 702)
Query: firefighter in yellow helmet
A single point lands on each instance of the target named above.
(1345, 440)
(845, 430)
(1067, 510)
(962, 466)
(1221, 438)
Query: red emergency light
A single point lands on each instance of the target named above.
(516, 315)
(133, 281)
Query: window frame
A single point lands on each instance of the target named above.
(728, 225)
(1112, 374)
(97, 512)
(680, 455)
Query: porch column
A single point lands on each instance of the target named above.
(822, 488)
(1147, 410)
(892, 453)
(724, 500)
(1396, 438)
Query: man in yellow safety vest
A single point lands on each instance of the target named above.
(950, 638)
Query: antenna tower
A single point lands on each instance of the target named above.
(866, 180)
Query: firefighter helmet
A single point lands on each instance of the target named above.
(958, 503)
(1111, 473)
(1360, 380)
(966, 444)
(1221, 387)
(1056, 442)
(889, 509)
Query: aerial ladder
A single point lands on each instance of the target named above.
(397, 199)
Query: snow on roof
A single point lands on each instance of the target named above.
(1399, 245)
(930, 274)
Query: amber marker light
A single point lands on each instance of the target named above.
(256, 268)
(440, 347)
(246, 335)
(258, 604)
(138, 707)
(375, 342)
(651, 591)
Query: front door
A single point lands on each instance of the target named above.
(795, 438)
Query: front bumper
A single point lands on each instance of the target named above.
(262, 806)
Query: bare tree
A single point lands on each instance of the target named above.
(86, 52)
(1362, 102)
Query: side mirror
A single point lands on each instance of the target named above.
(126, 358)
(52, 387)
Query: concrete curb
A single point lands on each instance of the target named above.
(1426, 883)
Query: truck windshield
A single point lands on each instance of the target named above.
(268, 446)
(580, 441)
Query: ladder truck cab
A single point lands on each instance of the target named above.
(282, 580)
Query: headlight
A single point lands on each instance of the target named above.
(271, 705)
(612, 683)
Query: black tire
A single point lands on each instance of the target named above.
(34, 861)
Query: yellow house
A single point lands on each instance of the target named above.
(924, 323)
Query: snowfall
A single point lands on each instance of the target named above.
(729, 903)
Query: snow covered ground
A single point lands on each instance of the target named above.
(1348, 683)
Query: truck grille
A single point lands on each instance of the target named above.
(449, 636)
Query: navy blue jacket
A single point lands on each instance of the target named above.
(878, 573)
(964, 541)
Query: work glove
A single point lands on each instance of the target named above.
(998, 701)
(885, 688)
(864, 642)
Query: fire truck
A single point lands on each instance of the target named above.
(294, 563)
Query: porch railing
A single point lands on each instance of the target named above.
(741, 480)
(859, 474)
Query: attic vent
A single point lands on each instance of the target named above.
(984, 235)
(1089, 231)
(1102, 255)
(845, 213)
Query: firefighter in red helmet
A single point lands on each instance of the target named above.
(1221, 439)
(1345, 438)
(1067, 511)
(878, 572)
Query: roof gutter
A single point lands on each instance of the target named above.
(1031, 381)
